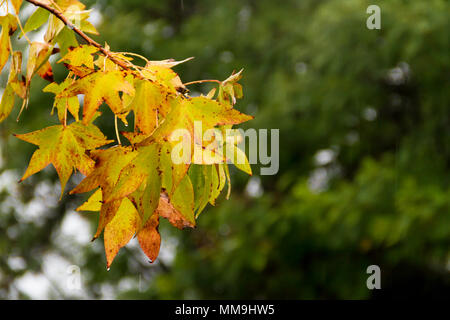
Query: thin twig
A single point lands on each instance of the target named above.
(85, 37)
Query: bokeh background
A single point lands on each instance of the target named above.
(364, 159)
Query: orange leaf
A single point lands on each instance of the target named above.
(149, 238)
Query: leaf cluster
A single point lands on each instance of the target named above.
(137, 183)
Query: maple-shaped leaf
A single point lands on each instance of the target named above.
(100, 87)
(70, 104)
(141, 181)
(184, 113)
(126, 221)
(120, 230)
(150, 101)
(108, 165)
(72, 10)
(149, 174)
(65, 148)
(9, 26)
(80, 56)
(230, 89)
(164, 75)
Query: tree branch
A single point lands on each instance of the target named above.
(85, 37)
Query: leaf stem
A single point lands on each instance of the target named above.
(21, 28)
(201, 81)
(117, 130)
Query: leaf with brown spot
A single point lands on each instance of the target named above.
(65, 148)
(38, 62)
(94, 203)
(100, 87)
(9, 25)
(80, 56)
(167, 210)
(108, 165)
(150, 100)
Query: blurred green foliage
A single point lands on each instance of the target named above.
(372, 104)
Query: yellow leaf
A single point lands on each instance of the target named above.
(7, 102)
(65, 148)
(184, 113)
(9, 26)
(98, 87)
(165, 76)
(17, 4)
(150, 100)
(80, 56)
(13, 87)
(238, 158)
(38, 62)
(54, 28)
(120, 230)
(108, 165)
(61, 104)
(94, 203)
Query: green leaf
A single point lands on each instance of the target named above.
(66, 39)
(183, 199)
(88, 27)
(7, 102)
(36, 20)
(238, 158)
